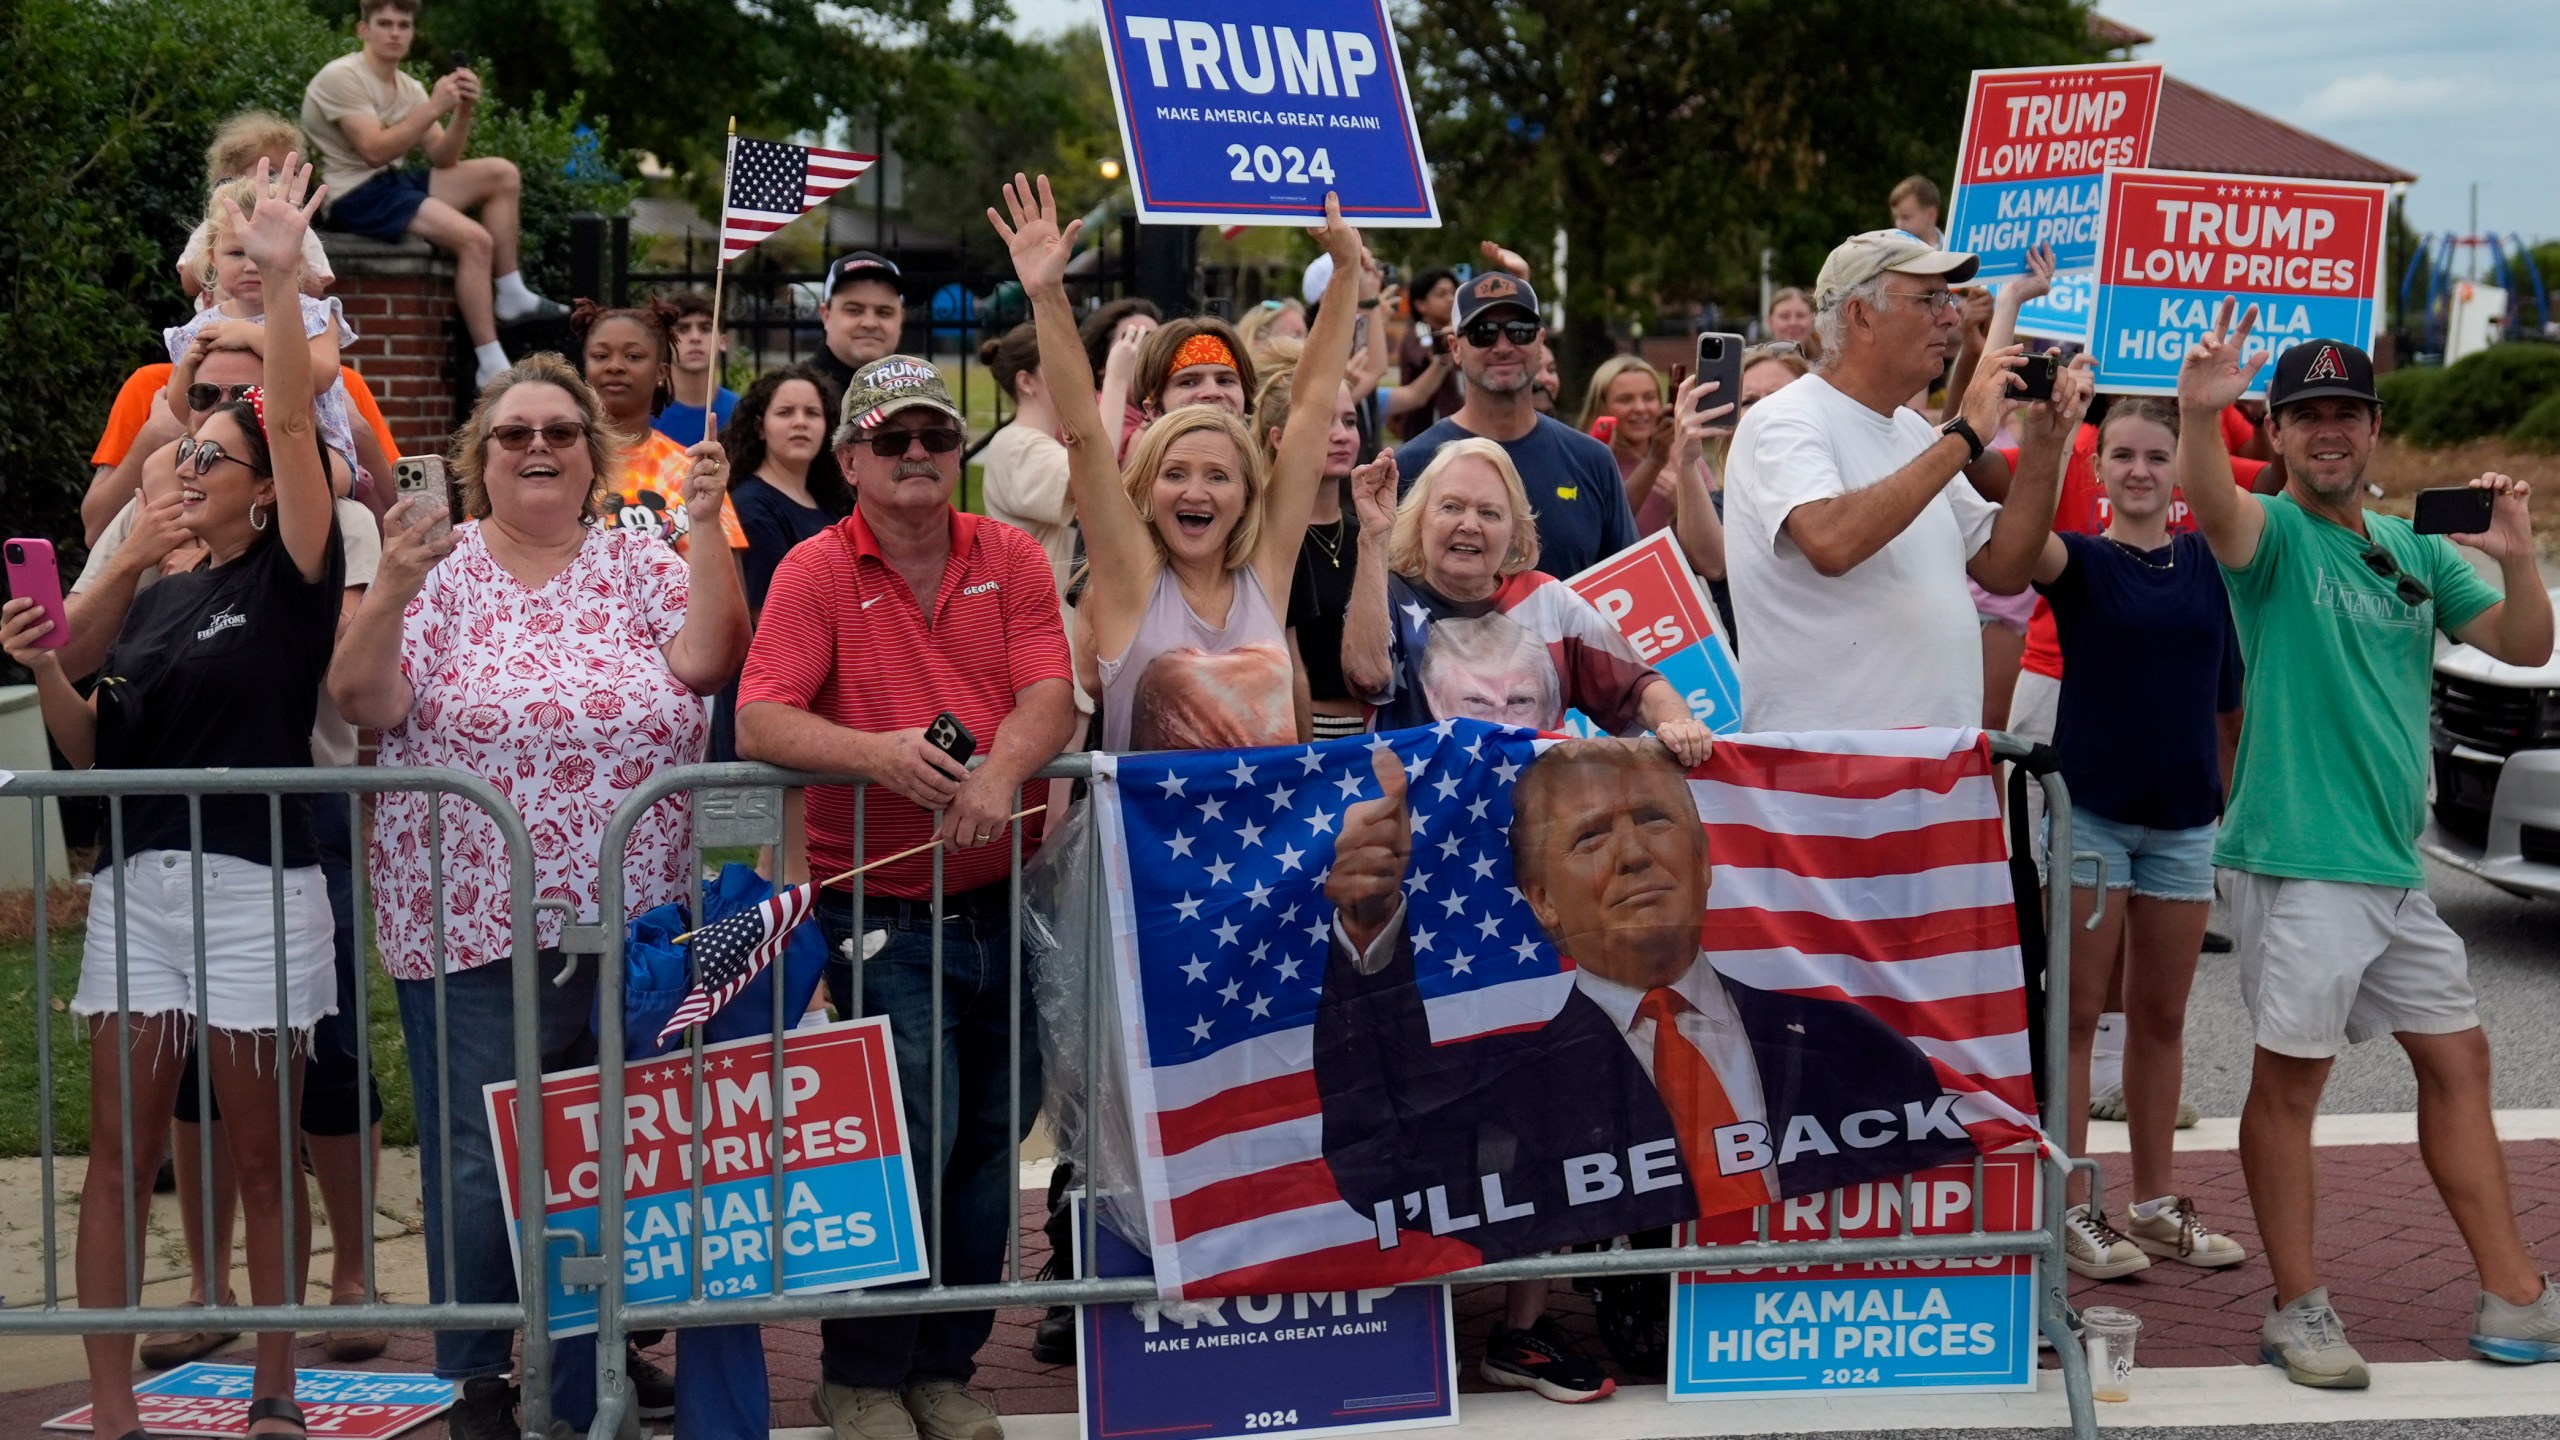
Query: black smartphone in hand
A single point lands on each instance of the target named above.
(2035, 376)
(2454, 510)
(1719, 361)
(952, 738)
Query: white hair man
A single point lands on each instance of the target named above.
(1851, 528)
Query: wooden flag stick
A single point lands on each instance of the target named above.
(719, 273)
(911, 850)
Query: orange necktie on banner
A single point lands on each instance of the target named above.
(1699, 1107)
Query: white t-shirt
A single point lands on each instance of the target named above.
(1026, 487)
(1895, 641)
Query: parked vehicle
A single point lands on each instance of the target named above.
(2495, 785)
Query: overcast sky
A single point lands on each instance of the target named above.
(2457, 92)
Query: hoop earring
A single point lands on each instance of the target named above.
(257, 517)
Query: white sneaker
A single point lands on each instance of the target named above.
(2107, 1103)
(2307, 1339)
(2176, 1234)
(2093, 1249)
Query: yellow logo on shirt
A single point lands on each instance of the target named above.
(1568, 492)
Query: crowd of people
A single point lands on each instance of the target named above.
(1350, 511)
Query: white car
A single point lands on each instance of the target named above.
(2495, 786)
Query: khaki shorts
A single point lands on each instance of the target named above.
(2325, 964)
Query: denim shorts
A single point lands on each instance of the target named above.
(381, 207)
(2162, 864)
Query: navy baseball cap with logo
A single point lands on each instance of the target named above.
(861, 265)
(1492, 290)
(2319, 370)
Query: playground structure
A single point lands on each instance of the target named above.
(2511, 270)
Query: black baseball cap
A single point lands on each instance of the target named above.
(1492, 290)
(861, 265)
(2321, 369)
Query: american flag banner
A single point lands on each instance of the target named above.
(1793, 968)
(731, 951)
(771, 184)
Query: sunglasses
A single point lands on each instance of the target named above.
(203, 396)
(1483, 333)
(559, 435)
(890, 444)
(2413, 592)
(203, 455)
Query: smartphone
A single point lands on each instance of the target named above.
(457, 60)
(2451, 510)
(1605, 429)
(33, 575)
(1720, 361)
(952, 738)
(2035, 376)
(424, 476)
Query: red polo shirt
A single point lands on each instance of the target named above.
(841, 636)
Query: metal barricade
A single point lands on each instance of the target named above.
(742, 804)
(349, 786)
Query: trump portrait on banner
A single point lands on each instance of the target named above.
(1659, 1090)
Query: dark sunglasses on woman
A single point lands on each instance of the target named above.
(203, 395)
(203, 455)
(559, 435)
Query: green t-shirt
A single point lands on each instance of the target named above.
(2331, 780)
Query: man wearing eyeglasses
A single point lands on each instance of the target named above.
(1573, 483)
(1850, 526)
(903, 611)
(2338, 610)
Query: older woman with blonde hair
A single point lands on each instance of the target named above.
(1193, 548)
(563, 659)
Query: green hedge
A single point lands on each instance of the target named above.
(2487, 394)
(2540, 427)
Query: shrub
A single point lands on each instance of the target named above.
(2406, 393)
(568, 167)
(2486, 394)
(2540, 427)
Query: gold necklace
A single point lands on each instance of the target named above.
(1330, 545)
(2143, 557)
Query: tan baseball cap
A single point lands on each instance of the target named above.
(1861, 258)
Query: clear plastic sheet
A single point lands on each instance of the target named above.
(1067, 947)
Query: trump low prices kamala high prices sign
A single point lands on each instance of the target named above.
(2306, 253)
(2035, 143)
(1648, 591)
(1235, 115)
(848, 1208)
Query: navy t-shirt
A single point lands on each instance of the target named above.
(773, 522)
(1573, 484)
(2149, 660)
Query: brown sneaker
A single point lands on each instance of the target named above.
(868, 1413)
(947, 1410)
(353, 1345)
(169, 1349)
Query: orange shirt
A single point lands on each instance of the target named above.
(360, 396)
(651, 487)
(144, 387)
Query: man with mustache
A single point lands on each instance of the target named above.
(903, 611)
(1659, 1091)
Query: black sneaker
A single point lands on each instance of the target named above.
(1053, 1340)
(2217, 943)
(653, 1389)
(485, 1410)
(1540, 1358)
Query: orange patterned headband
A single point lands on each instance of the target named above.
(1202, 349)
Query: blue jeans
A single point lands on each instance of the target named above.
(966, 1167)
(479, 1049)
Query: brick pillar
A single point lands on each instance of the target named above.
(399, 297)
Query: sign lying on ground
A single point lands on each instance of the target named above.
(1966, 1324)
(1231, 120)
(213, 1400)
(1322, 1362)
(849, 1216)
(2306, 253)
(1648, 591)
(2035, 143)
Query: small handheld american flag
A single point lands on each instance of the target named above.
(770, 184)
(731, 951)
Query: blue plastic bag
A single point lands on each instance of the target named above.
(656, 970)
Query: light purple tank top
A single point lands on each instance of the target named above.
(1184, 684)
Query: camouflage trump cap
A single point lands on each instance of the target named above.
(890, 384)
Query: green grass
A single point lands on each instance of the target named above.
(20, 1008)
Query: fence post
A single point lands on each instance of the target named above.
(586, 254)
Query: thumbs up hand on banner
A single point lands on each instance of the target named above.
(1369, 856)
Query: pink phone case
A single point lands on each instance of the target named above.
(34, 575)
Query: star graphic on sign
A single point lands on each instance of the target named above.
(1197, 969)
(1179, 844)
(1422, 939)
(1231, 991)
(1199, 1029)
(1447, 785)
(1349, 785)
(1187, 907)
(1527, 950)
(1172, 784)
(1289, 857)
(1280, 796)
(1459, 962)
(1489, 926)
(1212, 808)
(1261, 951)
(1311, 761)
(1321, 822)
(1456, 904)
(1227, 932)
(1243, 773)
(1483, 866)
(1289, 968)
(1506, 770)
(1219, 870)
(1260, 895)
(727, 1060)
(1259, 1007)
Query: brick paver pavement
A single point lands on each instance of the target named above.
(2401, 1278)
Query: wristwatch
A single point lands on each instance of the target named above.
(1964, 432)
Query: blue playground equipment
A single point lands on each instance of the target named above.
(2511, 268)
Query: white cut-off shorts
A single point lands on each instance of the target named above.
(241, 957)
(2325, 964)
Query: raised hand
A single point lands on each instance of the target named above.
(1373, 495)
(415, 536)
(2038, 281)
(1337, 236)
(1987, 401)
(2510, 532)
(1041, 247)
(1369, 855)
(1694, 422)
(706, 483)
(271, 229)
(2212, 375)
(2057, 418)
(1504, 258)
